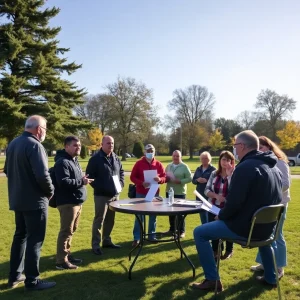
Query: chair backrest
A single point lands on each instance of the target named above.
(267, 215)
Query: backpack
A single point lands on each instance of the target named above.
(52, 201)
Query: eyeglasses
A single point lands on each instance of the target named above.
(43, 127)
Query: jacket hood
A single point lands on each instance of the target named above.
(61, 154)
(268, 157)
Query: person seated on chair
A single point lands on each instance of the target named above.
(255, 183)
(217, 191)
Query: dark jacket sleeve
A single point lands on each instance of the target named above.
(121, 173)
(91, 169)
(39, 164)
(237, 194)
(63, 178)
(196, 176)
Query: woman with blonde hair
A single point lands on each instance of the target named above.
(265, 144)
(200, 179)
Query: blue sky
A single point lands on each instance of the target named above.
(235, 48)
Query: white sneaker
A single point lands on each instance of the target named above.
(257, 268)
(280, 273)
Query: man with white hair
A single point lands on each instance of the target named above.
(29, 191)
(255, 182)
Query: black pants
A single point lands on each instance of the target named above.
(179, 217)
(27, 242)
(214, 243)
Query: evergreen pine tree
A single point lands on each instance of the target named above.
(31, 64)
(83, 152)
(138, 149)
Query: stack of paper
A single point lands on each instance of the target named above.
(207, 206)
(187, 203)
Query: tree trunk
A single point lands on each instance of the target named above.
(124, 153)
(191, 153)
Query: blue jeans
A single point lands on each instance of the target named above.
(279, 245)
(203, 216)
(218, 230)
(27, 243)
(151, 224)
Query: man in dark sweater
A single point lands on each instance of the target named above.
(70, 193)
(255, 182)
(106, 168)
(29, 191)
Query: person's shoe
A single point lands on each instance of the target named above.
(97, 251)
(263, 281)
(111, 245)
(227, 255)
(135, 243)
(182, 235)
(40, 285)
(74, 260)
(14, 284)
(257, 268)
(280, 273)
(66, 266)
(208, 285)
(153, 240)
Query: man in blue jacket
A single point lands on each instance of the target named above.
(107, 171)
(255, 182)
(29, 191)
(70, 193)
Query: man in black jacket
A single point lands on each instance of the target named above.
(255, 182)
(29, 191)
(106, 168)
(70, 193)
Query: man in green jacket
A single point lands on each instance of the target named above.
(178, 176)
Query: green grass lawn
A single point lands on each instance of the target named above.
(165, 160)
(159, 272)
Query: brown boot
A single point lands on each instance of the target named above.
(208, 285)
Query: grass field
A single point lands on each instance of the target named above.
(165, 160)
(159, 272)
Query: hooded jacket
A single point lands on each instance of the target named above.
(255, 182)
(69, 187)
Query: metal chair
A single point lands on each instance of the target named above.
(265, 215)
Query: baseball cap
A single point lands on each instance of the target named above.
(149, 146)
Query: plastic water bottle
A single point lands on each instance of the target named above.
(171, 196)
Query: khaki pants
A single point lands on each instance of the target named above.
(69, 219)
(104, 217)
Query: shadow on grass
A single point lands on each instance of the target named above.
(108, 284)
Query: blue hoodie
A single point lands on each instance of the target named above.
(255, 182)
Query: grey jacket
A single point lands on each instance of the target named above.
(26, 167)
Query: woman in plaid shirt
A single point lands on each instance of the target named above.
(216, 190)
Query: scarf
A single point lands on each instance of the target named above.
(217, 186)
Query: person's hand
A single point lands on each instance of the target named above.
(229, 169)
(146, 184)
(220, 198)
(177, 181)
(216, 218)
(86, 180)
(202, 180)
(156, 178)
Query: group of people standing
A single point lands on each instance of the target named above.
(26, 168)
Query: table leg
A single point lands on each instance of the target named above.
(140, 245)
(177, 242)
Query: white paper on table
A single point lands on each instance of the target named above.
(152, 192)
(171, 175)
(149, 176)
(117, 183)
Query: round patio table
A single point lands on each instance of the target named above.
(140, 207)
